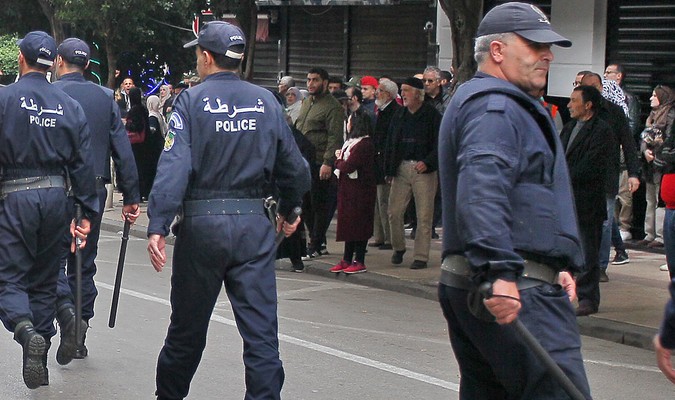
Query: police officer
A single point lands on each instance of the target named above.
(108, 137)
(508, 217)
(43, 137)
(227, 139)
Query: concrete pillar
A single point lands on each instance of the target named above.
(584, 22)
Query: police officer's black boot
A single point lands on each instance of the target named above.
(67, 350)
(82, 351)
(45, 376)
(34, 354)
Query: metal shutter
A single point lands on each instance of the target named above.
(641, 36)
(315, 39)
(389, 40)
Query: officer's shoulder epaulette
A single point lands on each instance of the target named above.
(496, 102)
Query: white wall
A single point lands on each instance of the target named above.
(444, 39)
(584, 22)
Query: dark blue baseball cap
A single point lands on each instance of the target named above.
(523, 19)
(75, 51)
(38, 46)
(218, 37)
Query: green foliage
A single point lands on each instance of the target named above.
(135, 31)
(9, 52)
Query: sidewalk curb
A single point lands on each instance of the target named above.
(593, 326)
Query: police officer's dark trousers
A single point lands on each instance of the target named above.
(66, 284)
(32, 226)
(495, 363)
(210, 250)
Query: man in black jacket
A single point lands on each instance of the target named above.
(411, 167)
(585, 140)
(620, 140)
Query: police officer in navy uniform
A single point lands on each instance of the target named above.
(509, 217)
(227, 141)
(43, 137)
(108, 137)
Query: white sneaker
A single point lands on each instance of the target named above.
(664, 267)
(625, 235)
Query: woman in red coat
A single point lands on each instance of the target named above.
(355, 169)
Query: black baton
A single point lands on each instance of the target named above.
(118, 276)
(554, 369)
(291, 219)
(78, 276)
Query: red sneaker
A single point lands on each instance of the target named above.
(342, 265)
(355, 268)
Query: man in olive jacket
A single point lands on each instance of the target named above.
(321, 120)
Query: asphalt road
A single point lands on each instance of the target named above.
(338, 341)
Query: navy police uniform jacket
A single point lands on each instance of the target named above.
(504, 181)
(44, 132)
(108, 136)
(227, 139)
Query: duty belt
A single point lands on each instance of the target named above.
(456, 272)
(31, 183)
(192, 208)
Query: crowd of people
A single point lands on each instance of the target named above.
(528, 208)
(406, 158)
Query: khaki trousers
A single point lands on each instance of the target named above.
(409, 183)
(381, 230)
(624, 213)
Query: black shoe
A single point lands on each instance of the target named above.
(585, 309)
(69, 343)
(375, 244)
(417, 264)
(386, 246)
(311, 254)
(621, 258)
(34, 354)
(603, 276)
(298, 267)
(397, 257)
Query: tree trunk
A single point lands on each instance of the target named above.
(54, 21)
(464, 16)
(110, 52)
(248, 19)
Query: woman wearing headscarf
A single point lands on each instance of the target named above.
(165, 98)
(293, 102)
(658, 125)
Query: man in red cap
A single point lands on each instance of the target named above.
(368, 86)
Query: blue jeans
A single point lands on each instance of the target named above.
(605, 243)
(669, 240)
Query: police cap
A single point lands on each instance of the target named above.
(39, 47)
(524, 19)
(218, 37)
(75, 51)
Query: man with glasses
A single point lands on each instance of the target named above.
(433, 90)
(616, 73)
(508, 212)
